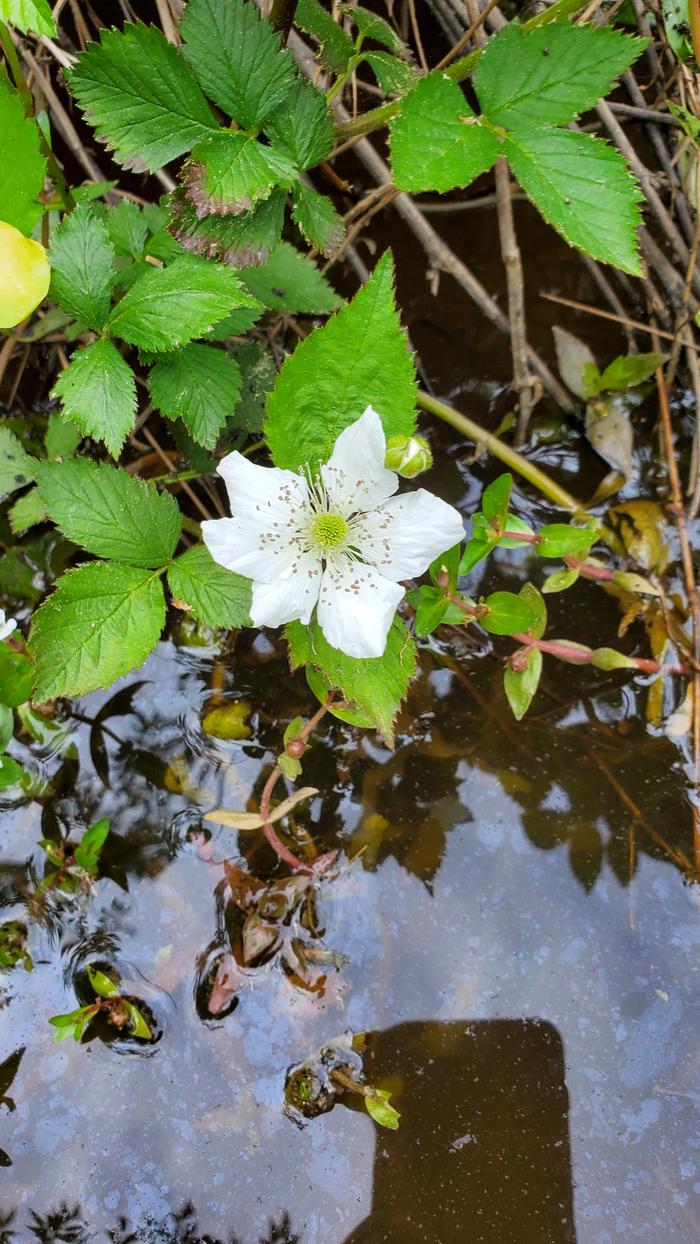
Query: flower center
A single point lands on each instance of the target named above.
(329, 530)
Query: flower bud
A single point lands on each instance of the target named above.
(24, 275)
(408, 456)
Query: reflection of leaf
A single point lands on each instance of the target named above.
(609, 430)
(586, 855)
(574, 357)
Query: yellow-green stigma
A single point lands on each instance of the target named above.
(329, 531)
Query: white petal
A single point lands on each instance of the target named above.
(7, 626)
(290, 596)
(355, 477)
(404, 535)
(356, 608)
(268, 492)
(240, 544)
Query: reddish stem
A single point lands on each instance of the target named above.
(281, 851)
(589, 572)
(575, 656)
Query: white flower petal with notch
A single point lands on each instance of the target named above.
(355, 478)
(405, 534)
(356, 608)
(7, 625)
(290, 596)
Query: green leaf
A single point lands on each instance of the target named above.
(62, 438)
(626, 371)
(137, 1024)
(560, 580)
(677, 26)
(430, 605)
(26, 512)
(583, 188)
(561, 540)
(87, 852)
(17, 576)
(547, 76)
(393, 75)
(303, 126)
(72, 1024)
(110, 513)
(7, 726)
(559, 11)
(237, 240)
(232, 171)
(136, 90)
(16, 677)
(508, 614)
(610, 659)
(102, 984)
(16, 467)
(167, 307)
(82, 267)
(474, 552)
(495, 501)
(288, 281)
(377, 1105)
(533, 598)
(237, 58)
(258, 373)
(336, 47)
(22, 166)
(437, 142)
(374, 687)
(28, 15)
(128, 228)
(98, 393)
(371, 26)
(200, 385)
(514, 525)
(11, 773)
(317, 218)
(216, 596)
(521, 685)
(358, 358)
(448, 561)
(101, 621)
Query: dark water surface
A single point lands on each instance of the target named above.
(520, 948)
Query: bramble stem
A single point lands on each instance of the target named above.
(281, 851)
(510, 457)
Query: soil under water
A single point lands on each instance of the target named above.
(520, 949)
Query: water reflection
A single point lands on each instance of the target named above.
(457, 927)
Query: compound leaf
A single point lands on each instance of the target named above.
(137, 91)
(22, 166)
(548, 75)
(28, 15)
(82, 267)
(200, 385)
(167, 307)
(358, 358)
(437, 142)
(231, 172)
(98, 393)
(288, 281)
(217, 596)
(237, 58)
(583, 188)
(101, 621)
(374, 687)
(110, 513)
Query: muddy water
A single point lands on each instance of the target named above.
(519, 947)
